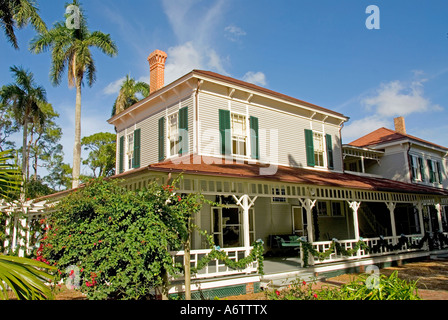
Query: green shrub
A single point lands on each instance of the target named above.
(363, 288)
(116, 241)
(297, 290)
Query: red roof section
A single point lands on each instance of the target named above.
(384, 135)
(210, 166)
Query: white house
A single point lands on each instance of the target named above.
(277, 163)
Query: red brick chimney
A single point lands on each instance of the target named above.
(156, 70)
(400, 126)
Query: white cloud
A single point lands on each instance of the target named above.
(398, 99)
(257, 78)
(392, 99)
(358, 128)
(114, 87)
(234, 33)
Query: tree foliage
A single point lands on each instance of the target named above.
(71, 51)
(101, 158)
(129, 93)
(19, 13)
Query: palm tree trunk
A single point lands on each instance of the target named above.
(77, 145)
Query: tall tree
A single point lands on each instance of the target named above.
(70, 49)
(7, 126)
(45, 135)
(128, 95)
(26, 100)
(19, 13)
(102, 146)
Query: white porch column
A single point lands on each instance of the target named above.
(391, 207)
(354, 205)
(309, 204)
(245, 203)
(8, 225)
(23, 234)
(419, 206)
(439, 215)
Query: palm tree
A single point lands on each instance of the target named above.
(128, 94)
(71, 49)
(26, 99)
(20, 13)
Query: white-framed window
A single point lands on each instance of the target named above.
(435, 171)
(278, 193)
(173, 134)
(130, 150)
(319, 149)
(239, 134)
(417, 168)
(326, 208)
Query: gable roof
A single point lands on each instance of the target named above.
(266, 91)
(384, 135)
(216, 76)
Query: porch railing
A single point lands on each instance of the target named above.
(323, 246)
(215, 268)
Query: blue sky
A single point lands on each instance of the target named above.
(318, 51)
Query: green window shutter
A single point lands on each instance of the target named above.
(136, 162)
(309, 147)
(224, 130)
(183, 130)
(121, 155)
(254, 141)
(161, 138)
(431, 171)
(422, 168)
(439, 171)
(329, 151)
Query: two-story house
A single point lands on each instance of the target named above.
(275, 164)
(397, 155)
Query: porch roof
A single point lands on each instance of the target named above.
(210, 166)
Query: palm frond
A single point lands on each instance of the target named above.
(25, 277)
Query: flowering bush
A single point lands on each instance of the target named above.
(117, 239)
(297, 290)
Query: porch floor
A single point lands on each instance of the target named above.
(273, 265)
